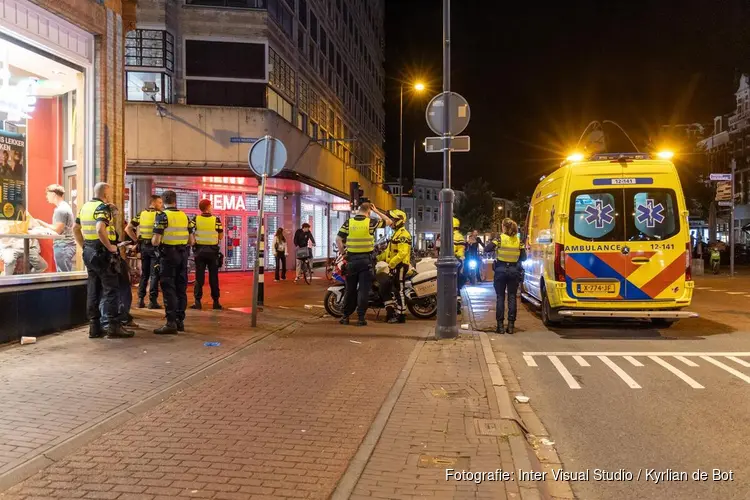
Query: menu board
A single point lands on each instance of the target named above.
(12, 175)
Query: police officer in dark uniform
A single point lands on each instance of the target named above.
(173, 232)
(208, 233)
(357, 234)
(143, 223)
(94, 231)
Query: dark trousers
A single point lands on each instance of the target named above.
(460, 278)
(358, 284)
(124, 296)
(280, 265)
(173, 276)
(103, 284)
(206, 257)
(149, 273)
(507, 276)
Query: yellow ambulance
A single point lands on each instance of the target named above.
(607, 237)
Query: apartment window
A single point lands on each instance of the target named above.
(428, 194)
(301, 35)
(435, 215)
(302, 122)
(148, 86)
(323, 41)
(420, 193)
(313, 26)
(302, 14)
(280, 105)
(237, 4)
(428, 214)
(420, 213)
(225, 73)
(149, 49)
(281, 75)
(282, 15)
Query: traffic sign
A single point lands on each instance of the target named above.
(725, 203)
(459, 114)
(720, 177)
(276, 158)
(242, 140)
(460, 144)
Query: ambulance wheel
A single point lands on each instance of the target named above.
(663, 322)
(549, 318)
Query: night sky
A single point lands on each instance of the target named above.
(535, 76)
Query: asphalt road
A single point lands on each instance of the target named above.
(611, 403)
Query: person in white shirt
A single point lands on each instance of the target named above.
(279, 248)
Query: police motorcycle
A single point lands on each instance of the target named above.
(420, 288)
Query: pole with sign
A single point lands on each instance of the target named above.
(728, 203)
(267, 158)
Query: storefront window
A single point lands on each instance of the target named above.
(316, 216)
(41, 162)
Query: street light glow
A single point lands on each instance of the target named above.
(499, 207)
(665, 155)
(419, 86)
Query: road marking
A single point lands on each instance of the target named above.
(640, 354)
(703, 288)
(620, 372)
(581, 361)
(530, 361)
(739, 361)
(714, 290)
(686, 361)
(735, 293)
(689, 381)
(572, 383)
(726, 368)
(633, 361)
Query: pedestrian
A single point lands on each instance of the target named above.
(437, 246)
(472, 251)
(64, 249)
(398, 257)
(124, 292)
(173, 232)
(94, 231)
(357, 235)
(509, 254)
(279, 248)
(459, 250)
(304, 241)
(208, 234)
(715, 258)
(143, 224)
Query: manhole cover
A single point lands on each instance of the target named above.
(450, 391)
(499, 428)
(441, 462)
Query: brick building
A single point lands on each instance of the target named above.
(61, 122)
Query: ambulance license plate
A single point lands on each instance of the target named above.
(596, 289)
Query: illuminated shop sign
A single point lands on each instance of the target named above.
(237, 181)
(225, 201)
(341, 207)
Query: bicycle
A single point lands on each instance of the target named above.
(306, 270)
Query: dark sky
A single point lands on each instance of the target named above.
(534, 76)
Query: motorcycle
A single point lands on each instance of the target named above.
(420, 290)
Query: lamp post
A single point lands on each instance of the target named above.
(418, 87)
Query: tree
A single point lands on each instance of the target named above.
(476, 207)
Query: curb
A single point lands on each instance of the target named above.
(117, 417)
(349, 480)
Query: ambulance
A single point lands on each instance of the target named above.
(607, 237)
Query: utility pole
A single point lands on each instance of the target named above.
(401, 148)
(447, 264)
(731, 223)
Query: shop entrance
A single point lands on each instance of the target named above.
(240, 242)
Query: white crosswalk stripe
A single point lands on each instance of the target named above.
(664, 360)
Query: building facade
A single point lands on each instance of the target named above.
(205, 78)
(61, 122)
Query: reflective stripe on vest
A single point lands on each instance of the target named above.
(176, 232)
(359, 239)
(205, 231)
(508, 249)
(88, 222)
(146, 224)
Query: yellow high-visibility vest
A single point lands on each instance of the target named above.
(176, 233)
(508, 249)
(359, 239)
(146, 224)
(459, 245)
(88, 222)
(205, 230)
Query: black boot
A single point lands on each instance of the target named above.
(95, 330)
(361, 322)
(116, 331)
(217, 306)
(402, 318)
(141, 303)
(511, 327)
(344, 320)
(168, 329)
(390, 315)
(197, 305)
(499, 328)
(128, 320)
(154, 305)
(180, 325)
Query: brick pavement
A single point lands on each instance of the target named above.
(65, 384)
(281, 422)
(433, 427)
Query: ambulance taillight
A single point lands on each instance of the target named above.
(688, 263)
(559, 262)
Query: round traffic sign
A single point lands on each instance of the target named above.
(277, 156)
(459, 114)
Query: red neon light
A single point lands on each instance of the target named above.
(237, 181)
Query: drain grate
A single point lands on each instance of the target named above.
(449, 391)
(442, 462)
(499, 428)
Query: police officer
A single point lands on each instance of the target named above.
(173, 232)
(508, 257)
(357, 235)
(208, 233)
(459, 250)
(94, 231)
(398, 257)
(143, 223)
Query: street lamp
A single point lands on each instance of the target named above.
(418, 87)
